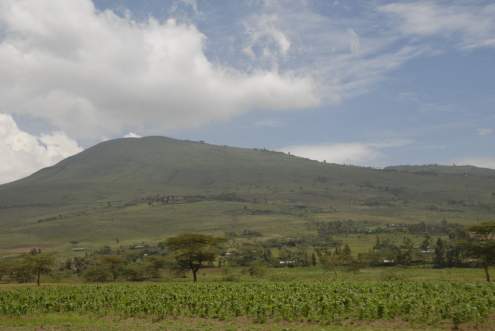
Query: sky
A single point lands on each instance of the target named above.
(370, 83)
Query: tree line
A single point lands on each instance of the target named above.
(474, 247)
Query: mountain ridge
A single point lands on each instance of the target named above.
(142, 187)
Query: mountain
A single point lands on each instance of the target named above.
(436, 169)
(154, 186)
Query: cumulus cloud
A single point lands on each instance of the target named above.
(23, 153)
(96, 73)
(472, 22)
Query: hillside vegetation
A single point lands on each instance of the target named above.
(152, 187)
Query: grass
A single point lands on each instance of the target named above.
(307, 274)
(142, 222)
(76, 322)
(86, 197)
(418, 274)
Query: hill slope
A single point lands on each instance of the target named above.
(121, 180)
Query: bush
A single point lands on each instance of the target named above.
(97, 274)
(140, 271)
(256, 270)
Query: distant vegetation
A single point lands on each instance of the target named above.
(441, 246)
(170, 187)
(265, 236)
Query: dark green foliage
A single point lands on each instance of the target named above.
(481, 245)
(256, 270)
(39, 263)
(141, 271)
(27, 267)
(439, 259)
(426, 243)
(98, 273)
(192, 251)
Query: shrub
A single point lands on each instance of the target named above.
(97, 274)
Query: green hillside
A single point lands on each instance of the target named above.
(152, 187)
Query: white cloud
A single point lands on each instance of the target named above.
(23, 153)
(346, 55)
(265, 39)
(483, 162)
(347, 153)
(471, 22)
(95, 73)
(364, 154)
(132, 135)
(485, 131)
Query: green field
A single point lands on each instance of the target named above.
(88, 322)
(323, 303)
(129, 193)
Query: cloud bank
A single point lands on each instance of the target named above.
(482, 162)
(355, 153)
(23, 153)
(96, 73)
(472, 23)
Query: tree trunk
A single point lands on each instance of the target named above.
(195, 277)
(487, 273)
(38, 276)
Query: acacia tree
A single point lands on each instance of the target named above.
(191, 251)
(39, 263)
(481, 245)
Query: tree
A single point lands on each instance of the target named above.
(481, 245)
(425, 244)
(439, 259)
(4, 268)
(248, 253)
(406, 251)
(113, 263)
(346, 255)
(39, 263)
(191, 251)
(96, 273)
(313, 259)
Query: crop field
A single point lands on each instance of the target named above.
(262, 302)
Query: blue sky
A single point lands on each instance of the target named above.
(371, 83)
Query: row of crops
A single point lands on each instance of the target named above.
(315, 302)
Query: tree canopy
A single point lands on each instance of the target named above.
(191, 251)
(481, 245)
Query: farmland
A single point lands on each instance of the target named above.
(324, 303)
